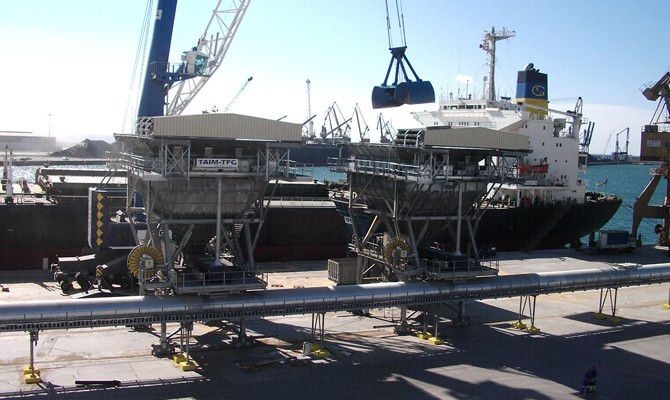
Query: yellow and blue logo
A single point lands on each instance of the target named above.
(539, 91)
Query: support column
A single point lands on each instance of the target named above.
(318, 328)
(606, 294)
(242, 340)
(31, 374)
(461, 319)
(436, 338)
(184, 358)
(219, 188)
(525, 301)
(457, 250)
(424, 334)
(164, 348)
(403, 327)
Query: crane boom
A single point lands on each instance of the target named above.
(660, 89)
(238, 94)
(204, 59)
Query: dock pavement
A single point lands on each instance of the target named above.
(489, 359)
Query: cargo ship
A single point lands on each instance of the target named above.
(48, 218)
(546, 204)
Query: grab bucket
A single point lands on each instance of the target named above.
(384, 97)
(414, 93)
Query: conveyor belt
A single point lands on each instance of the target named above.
(136, 310)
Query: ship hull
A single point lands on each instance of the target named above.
(34, 236)
(516, 228)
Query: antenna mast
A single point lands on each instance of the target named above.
(310, 125)
(489, 46)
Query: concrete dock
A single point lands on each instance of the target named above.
(488, 359)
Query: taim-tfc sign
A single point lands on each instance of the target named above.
(226, 164)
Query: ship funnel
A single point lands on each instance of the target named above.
(404, 92)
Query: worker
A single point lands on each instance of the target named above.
(589, 382)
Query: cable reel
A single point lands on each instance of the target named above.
(138, 255)
(396, 249)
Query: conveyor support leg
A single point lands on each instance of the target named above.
(319, 323)
(164, 348)
(403, 327)
(187, 364)
(31, 374)
(606, 294)
(462, 319)
(525, 301)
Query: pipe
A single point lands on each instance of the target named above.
(97, 312)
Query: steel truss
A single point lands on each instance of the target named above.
(412, 201)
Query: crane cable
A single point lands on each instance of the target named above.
(140, 56)
(401, 23)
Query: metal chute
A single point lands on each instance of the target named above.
(403, 90)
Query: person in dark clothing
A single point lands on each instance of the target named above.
(589, 382)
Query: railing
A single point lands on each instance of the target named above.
(469, 266)
(194, 281)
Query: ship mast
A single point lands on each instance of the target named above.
(489, 46)
(310, 125)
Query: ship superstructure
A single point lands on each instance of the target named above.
(549, 189)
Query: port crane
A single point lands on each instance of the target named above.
(654, 146)
(335, 126)
(621, 155)
(386, 131)
(238, 94)
(176, 84)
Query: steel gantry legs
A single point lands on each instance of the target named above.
(526, 301)
(605, 295)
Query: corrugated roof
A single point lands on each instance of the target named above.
(476, 138)
(226, 126)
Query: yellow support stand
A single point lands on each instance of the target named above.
(599, 315)
(187, 366)
(533, 329)
(31, 375)
(666, 306)
(519, 325)
(424, 335)
(179, 358)
(436, 340)
(321, 353)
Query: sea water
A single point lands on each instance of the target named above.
(627, 181)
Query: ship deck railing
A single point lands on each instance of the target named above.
(408, 172)
(225, 281)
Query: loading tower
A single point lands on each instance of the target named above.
(426, 181)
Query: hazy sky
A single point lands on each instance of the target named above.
(73, 59)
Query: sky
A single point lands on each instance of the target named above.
(68, 65)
